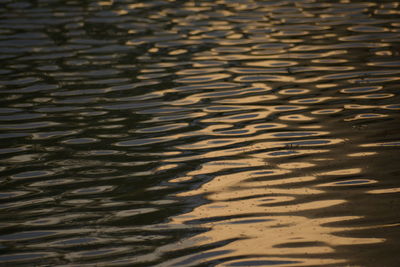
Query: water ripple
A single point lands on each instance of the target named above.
(199, 133)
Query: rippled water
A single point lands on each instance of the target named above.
(199, 133)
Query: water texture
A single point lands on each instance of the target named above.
(199, 133)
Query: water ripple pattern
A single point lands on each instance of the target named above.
(199, 133)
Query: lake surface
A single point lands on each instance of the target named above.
(199, 133)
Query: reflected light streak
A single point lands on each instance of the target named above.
(266, 237)
(256, 216)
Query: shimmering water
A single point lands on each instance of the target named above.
(199, 133)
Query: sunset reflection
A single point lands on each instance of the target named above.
(230, 133)
(257, 215)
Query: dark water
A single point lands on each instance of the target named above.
(199, 133)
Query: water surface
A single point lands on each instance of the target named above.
(199, 133)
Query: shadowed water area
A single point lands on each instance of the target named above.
(199, 133)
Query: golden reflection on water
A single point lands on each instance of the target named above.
(258, 215)
(385, 191)
(265, 235)
(256, 209)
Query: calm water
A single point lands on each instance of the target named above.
(199, 133)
